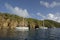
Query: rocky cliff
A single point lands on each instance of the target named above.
(11, 21)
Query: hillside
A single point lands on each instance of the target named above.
(11, 21)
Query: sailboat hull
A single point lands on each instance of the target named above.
(22, 28)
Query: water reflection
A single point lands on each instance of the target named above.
(38, 34)
(7, 33)
(22, 35)
(45, 34)
(3, 33)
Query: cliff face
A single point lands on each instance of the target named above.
(11, 21)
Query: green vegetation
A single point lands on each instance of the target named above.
(11, 21)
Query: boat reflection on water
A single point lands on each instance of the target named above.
(22, 33)
(36, 34)
(13, 34)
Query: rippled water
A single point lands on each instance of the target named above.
(38, 34)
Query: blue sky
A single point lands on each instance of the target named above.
(38, 9)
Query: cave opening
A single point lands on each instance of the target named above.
(36, 26)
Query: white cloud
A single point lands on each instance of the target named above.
(18, 11)
(50, 5)
(39, 14)
(55, 17)
(50, 16)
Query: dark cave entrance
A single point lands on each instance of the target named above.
(36, 26)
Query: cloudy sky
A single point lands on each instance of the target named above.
(38, 9)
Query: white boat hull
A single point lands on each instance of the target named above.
(22, 28)
(43, 27)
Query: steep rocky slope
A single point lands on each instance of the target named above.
(11, 21)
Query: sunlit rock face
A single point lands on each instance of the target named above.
(12, 24)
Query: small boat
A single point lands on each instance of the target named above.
(43, 27)
(22, 28)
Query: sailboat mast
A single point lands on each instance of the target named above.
(23, 21)
(43, 23)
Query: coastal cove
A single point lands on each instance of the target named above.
(29, 19)
(11, 21)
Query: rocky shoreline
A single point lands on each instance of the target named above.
(11, 21)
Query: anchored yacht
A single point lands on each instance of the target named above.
(43, 27)
(22, 28)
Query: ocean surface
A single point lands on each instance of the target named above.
(38, 34)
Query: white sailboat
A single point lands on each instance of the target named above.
(22, 28)
(43, 27)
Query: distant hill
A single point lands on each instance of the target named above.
(11, 21)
